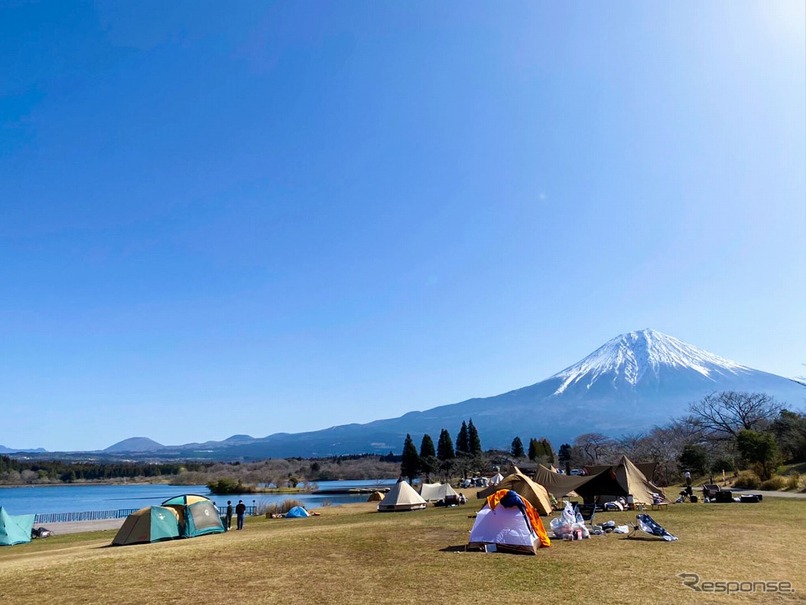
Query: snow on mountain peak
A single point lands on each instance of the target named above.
(630, 356)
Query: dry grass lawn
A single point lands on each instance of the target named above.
(352, 554)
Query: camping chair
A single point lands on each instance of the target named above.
(647, 524)
(586, 511)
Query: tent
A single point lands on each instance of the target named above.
(297, 512)
(496, 479)
(401, 497)
(510, 523)
(197, 515)
(375, 497)
(434, 492)
(149, 524)
(556, 484)
(622, 479)
(529, 490)
(648, 468)
(15, 529)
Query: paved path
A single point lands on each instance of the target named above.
(75, 527)
(796, 495)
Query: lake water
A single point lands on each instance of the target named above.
(79, 498)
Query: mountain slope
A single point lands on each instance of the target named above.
(629, 384)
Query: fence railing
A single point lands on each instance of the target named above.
(99, 515)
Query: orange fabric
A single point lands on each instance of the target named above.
(494, 500)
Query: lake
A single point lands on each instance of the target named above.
(39, 499)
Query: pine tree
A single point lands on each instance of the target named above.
(428, 457)
(410, 465)
(445, 450)
(517, 448)
(473, 441)
(533, 449)
(427, 446)
(463, 441)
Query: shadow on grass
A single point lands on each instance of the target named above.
(460, 548)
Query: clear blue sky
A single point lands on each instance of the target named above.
(255, 217)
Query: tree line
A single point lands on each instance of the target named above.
(14, 471)
(466, 457)
(724, 432)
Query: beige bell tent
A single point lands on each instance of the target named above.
(535, 493)
(623, 479)
(434, 492)
(400, 498)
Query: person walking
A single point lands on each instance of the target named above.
(240, 511)
(229, 515)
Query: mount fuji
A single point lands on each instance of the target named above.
(629, 384)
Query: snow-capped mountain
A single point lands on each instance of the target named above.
(640, 357)
(629, 384)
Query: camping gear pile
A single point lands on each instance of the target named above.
(569, 525)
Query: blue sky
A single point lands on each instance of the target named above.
(254, 217)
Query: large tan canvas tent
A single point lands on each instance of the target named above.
(400, 498)
(434, 492)
(529, 490)
(556, 484)
(622, 479)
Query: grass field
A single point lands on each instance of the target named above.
(352, 554)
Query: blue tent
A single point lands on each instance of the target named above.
(297, 512)
(15, 529)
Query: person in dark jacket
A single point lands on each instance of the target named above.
(229, 515)
(240, 511)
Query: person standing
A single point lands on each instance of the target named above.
(229, 515)
(240, 511)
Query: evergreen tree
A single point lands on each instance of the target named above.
(473, 441)
(532, 449)
(445, 450)
(463, 441)
(428, 457)
(410, 465)
(517, 448)
(427, 447)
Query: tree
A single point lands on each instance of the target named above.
(427, 447)
(428, 457)
(445, 449)
(463, 441)
(517, 448)
(790, 431)
(473, 440)
(532, 454)
(595, 445)
(694, 458)
(760, 450)
(410, 466)
(722, 416)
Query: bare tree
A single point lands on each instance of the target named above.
(721, 416)
(595, 445)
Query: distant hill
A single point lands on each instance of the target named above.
(134, 444)
(22, 450)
